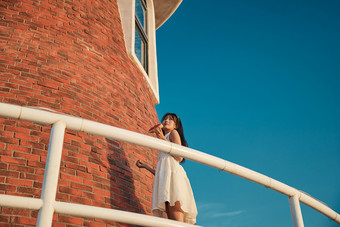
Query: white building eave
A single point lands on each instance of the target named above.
(164, 9)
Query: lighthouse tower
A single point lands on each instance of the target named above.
(94, 59)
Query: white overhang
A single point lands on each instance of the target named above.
(164, 9)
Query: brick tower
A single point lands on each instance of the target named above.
(93, 59)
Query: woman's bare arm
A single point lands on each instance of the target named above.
(175, 138)
(159, 133)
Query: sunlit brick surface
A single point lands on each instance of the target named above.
(69, 56)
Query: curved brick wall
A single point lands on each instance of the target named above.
(69, 56)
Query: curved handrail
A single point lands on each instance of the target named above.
(90, 212)
(79, 124)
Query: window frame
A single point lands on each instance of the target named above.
(129, 24)
(142, 31)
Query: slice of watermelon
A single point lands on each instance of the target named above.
(152, 129)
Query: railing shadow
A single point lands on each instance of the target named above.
(113, 160)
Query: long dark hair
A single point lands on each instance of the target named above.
(179, 127)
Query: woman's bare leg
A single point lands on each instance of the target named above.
(175, 212)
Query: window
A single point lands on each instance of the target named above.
(141, 37)
(138, 23)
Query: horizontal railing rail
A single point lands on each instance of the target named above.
(89, 212)
(61, 121)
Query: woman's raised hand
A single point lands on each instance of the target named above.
(159, 132)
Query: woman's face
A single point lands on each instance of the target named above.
(169, 123)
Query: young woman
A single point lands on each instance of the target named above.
(172, 193)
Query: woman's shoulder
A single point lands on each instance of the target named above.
(174, 133)
(175, 137)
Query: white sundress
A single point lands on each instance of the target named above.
(171, 184)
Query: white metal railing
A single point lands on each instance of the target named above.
(47, 204)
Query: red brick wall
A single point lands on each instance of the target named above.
(69, 56)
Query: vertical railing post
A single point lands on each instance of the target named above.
(296, 211)
(51, 175)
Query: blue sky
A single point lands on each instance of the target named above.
(256, 83)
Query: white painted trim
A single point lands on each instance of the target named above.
(115, 215)
(295, 209)
(50, 184)
(127, 15)
(90, 212)
(164, 10)
(20, 202)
